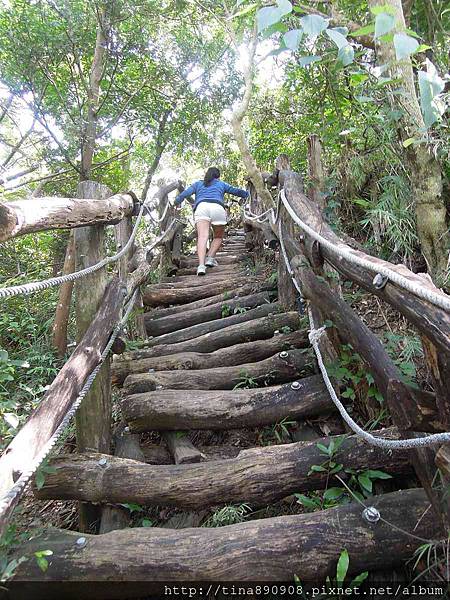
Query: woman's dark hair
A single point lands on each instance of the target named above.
(211, 174)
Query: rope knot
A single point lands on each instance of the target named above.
(315, 335)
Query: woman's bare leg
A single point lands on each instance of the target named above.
(202, 239)
(219, 231)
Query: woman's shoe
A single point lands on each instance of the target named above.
(201, 270)
(211, 262)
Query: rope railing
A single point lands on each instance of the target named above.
(314, 337)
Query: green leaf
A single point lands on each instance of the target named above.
(383, 24)
(39, 479)
(408, 142)
(359, 579)
(367, 30)
(374, 474)
(269, 15)
(430, 87)
(337, 37)
(422, 48)
(293, 38)
(365, 482)
(317, 469)
(245, 11)
(313, 25)
(342, 566)
(404, 45)
(307, 502)
(364, 99)
(333, 493)
(346, 55)
(147, 523)
(305, 61)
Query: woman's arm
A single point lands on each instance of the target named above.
(187, 192)
(229, 189)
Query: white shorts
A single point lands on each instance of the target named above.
(212, 212)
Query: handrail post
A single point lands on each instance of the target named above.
(93, 419)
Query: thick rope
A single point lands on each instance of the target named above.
(435, 298)
(9, 500)
(314, 337)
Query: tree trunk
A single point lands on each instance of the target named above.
(93, 101)
(272, 370)
(202, 315)
(93, 418)
(273, 549)
(195, 331)
(258, 476)
(225, 409)
(424, 169)
(258, 329)
(63, 307)
(233, 355)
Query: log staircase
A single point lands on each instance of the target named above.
(207, 336)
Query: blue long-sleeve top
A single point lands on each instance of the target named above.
(214, 192)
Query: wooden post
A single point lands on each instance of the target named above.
(315, 171)
(93, 419)
(122, 233)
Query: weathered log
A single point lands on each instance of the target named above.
(126, 446)
(40, 214)
(59, 330)
(429, 319)
(236, 292)
(202, 328)
(195, 281)
(258, 329)
(156, 455)
(233, 355)
(157, 296)
(202, 315)
(191, 275)
(350, 326)
(273, 549)
(268, 235)
(233, 268)
(93, 418)
(298, 363)
(257, 476)
(187, 262)
(63, 391)
(181, 448)
(225, 409)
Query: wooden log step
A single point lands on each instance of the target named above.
(182, 449)
(233, 355)
(233, 268)
(225, 409)
(236, 292)
(189, 262)
(273, 370)
(195, 281)
(258, 329)
(201, 328)
(258, 476)
(274, 549)
(202, 315)
(156, 296)
(225, 271)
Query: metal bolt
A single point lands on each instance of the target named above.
(276, 332)
(126, 430)
(284, 355)
(151, 370)
(159, 387)
(81, 542)
(380, 281)
(103, 462)
(295, 385)
(371, 514)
